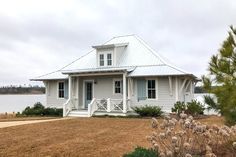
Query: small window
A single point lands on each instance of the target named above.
(101, 59)
(61, 90)
(117, 87)
(151, 89)
(109, 59)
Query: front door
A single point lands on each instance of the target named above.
(88, 93)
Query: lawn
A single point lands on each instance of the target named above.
(83, 137)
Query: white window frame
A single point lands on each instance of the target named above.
(156, 88)
(114, 88)
(110, 59)
(100, 60)
(58, 89)
(105, 53)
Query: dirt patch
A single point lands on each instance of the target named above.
(85, 137)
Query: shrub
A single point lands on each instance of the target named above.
(39, 110)
(193, 108)
(142, 152)
(187, 138)
(148, 111)
(179, 107)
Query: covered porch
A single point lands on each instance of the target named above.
(98, 93)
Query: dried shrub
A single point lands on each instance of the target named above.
(187, 137)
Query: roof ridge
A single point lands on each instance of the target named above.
(118, 36)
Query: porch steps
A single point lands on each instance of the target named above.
(78, 113)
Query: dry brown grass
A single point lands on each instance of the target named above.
(83, 137)
(7, 115)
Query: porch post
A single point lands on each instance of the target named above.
(69, 90)
(176, 89)
(124, 94)
(129, 92)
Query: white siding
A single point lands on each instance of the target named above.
(52, 95)
(102, 89)
(164, 99)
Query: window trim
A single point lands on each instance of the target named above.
(114, 88)
(105, 58)
(101, 54)
(63, 90)
(109, 59)
(156, 88)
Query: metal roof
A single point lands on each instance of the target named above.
(96, 70)
(156, 70)
(56, 75)
(136, 53)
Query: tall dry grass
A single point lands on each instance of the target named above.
(187, 137)
(7, 115)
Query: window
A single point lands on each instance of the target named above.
(117, 87)
(109, 59)
(61, 90)
(101, 59)
(151, 89)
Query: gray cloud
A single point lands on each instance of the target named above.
(42, 36)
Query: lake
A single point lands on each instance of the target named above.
(17, 103)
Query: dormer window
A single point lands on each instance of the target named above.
(105, 59)
(101, 59)
(109, 59)
(107, 55)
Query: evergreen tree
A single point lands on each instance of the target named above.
(222, 72)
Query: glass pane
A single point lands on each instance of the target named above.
(149, 84)
(108, 56)
(101, 56)
(153, 84)
(109, 62)
(101, 63)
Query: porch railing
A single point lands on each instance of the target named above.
(106, 105)
(68, 106)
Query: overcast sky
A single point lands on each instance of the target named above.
(37, 37)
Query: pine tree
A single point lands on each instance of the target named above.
(222, 73)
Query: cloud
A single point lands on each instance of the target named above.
(38, 37)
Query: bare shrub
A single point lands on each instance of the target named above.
(187, 137)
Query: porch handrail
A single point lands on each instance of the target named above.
(67, 107)
(92, 107)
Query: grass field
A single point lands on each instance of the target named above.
(100, 137)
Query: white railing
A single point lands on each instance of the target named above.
(92, 107)
(68, 106)
(105, 105)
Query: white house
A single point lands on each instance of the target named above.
(116, 76)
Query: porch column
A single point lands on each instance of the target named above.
(176, 89)
(129, 92)
(69, 90)
(124, 94)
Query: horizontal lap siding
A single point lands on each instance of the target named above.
(52, 96)
(102, 89)
(164, 99)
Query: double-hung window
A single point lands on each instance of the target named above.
(101, 59)
(151, 89)
(109, 59)
(117, 86)
(105, 59)
(61, 90)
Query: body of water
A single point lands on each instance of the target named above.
(17, 103)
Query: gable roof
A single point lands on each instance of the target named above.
(138, 56)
